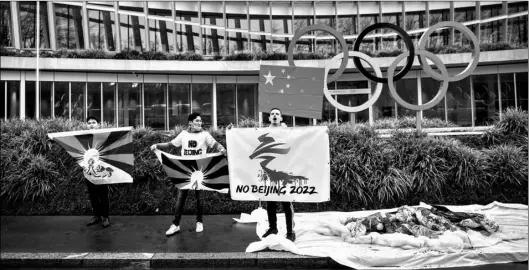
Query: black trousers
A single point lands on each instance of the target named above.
(180, 203)
(271, 210)
(98, 199)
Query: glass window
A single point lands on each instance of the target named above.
(491, 32)
(347, 26)
(485, 98)
(458, 103)
(31, 102)
(236, 16)
(102, 29)
(352, 100)
(429, 89)
(155, 105)
(226, 104)
(202, 94)
(281, 24)
(129, 104)
(260, 22)
(328, 110)
(391, 13)
(213, 37)
(325, 15)
(464, 14)
(109, 102)
(407, 90)
(517, 27)
(303, 122)
(303, 17)
(440, 37)
(247, 101)
(93, 103)
(69, 26)
(507, 91)
(188, 35)
(132, 32)
(385, 106)
(28, 24)
(365, 21)
(3, 95)
(521, 90)
(78, 100)
(61, 99)
(45, 99)
(179, 105)
(5, 25)
(415, 20)
(161, 36)
(13, 99)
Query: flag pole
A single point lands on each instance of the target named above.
(37, 45)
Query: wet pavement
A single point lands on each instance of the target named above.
(139, 234)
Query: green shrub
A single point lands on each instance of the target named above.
(367, 172)
(239, 57)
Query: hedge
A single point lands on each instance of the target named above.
(367, 172)
(130, 54)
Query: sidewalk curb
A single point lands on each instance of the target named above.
(166, 260)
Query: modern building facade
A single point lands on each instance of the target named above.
(160, 94)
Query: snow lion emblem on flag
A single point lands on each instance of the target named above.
(104, 154)
(208, 172)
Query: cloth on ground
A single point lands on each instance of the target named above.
(450, 249)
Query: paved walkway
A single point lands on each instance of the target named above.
(139, 242)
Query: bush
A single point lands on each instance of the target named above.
(367, 172)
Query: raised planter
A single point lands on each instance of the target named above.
(228, 67)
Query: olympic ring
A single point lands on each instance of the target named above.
(440, 95)
(402, 34)
(422, 53)
(368, 103)
(327, 29)
(475, 54)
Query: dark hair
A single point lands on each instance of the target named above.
(92, 118)
(192, 117)
(276, 109)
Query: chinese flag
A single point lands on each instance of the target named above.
(296, 91)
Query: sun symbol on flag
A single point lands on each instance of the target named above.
(196, 178)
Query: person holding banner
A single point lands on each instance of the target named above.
(276, 120)
(98, 194)
(194, 142)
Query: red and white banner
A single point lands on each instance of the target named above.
(279, 164)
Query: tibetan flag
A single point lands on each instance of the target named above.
(296, 91)
(208, 172)
(104, 154)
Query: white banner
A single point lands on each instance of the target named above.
(279, 164)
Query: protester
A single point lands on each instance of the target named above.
(98, 193)
(271, 208)
(194, 142)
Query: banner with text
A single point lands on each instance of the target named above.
(279, 164)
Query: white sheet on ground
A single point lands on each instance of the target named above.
(497, 248)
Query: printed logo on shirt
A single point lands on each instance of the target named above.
(192, 152)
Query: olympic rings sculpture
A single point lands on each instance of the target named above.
(410, 54)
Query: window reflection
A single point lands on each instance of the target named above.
(429, 89)
(31, 102)
(247, 101)
(102, 29)
(407, 90)
(69, 26)
(28, 24)
(61, 99)
(507, 91)
(129, 104)
(155, 105)
(78, 99)
(226, 104)
(109, 102)
(485, 98)
(93, 96)
(236, 15)
(202, 99)
(45, 99)
(5, 25)
(517, 27)
(179, 104)
(351, 100)
(458, 103)
(521, 90)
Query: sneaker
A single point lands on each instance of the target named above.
(291, 236)
(269, 232)
(93, 221)
(200, 227)
(106, 222)
(172, 230)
